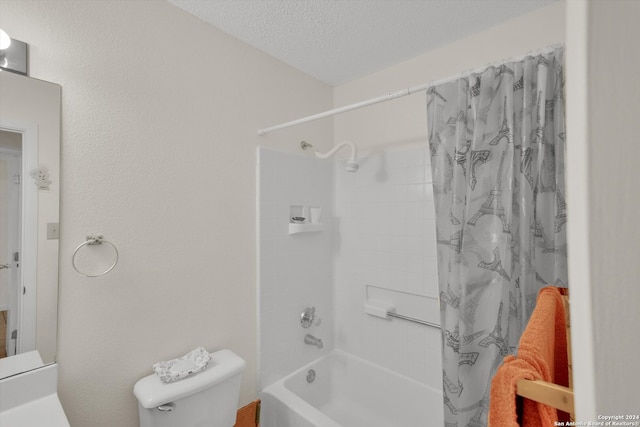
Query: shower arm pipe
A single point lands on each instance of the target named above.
(354, 151)
(350, 107)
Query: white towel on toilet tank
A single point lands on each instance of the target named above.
(173, 370)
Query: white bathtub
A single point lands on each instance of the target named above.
(350, 392)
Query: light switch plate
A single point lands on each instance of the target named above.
(53, 230)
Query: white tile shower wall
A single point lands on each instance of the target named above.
(294, 271)
(385, 237)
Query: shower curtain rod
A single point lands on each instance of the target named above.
(376, 100)
(404, 92)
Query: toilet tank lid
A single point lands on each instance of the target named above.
(151, 392)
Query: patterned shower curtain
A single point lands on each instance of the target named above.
(497, 152)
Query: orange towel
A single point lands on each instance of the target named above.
(542, 355)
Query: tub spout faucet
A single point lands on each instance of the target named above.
(311, 340)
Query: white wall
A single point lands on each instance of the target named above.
(603, 100)
(385, 252)
(159, 115)
(294, 270)
(389, 134)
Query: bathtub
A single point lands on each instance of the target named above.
(349, 392)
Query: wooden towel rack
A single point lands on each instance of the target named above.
(554, 395)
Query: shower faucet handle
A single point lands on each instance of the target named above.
(307, 317)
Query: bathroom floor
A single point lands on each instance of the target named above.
(3, 334)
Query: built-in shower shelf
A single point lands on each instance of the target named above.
(305, 228)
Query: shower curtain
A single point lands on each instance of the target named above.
(497, 152)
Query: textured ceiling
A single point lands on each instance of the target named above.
(340, 40)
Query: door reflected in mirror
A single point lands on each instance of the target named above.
(29, 211)
(10, 232)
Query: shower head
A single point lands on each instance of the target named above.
(352, 164)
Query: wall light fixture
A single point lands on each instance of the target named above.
(13, 54)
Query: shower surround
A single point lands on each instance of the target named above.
(377, 243)
(294, 270)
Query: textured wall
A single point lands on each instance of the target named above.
(159, 114)
(603, 102)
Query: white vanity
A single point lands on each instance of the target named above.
(29, 398)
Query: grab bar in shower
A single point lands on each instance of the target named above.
(412, 319)
(384, 311)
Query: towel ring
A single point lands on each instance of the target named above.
(92, 240)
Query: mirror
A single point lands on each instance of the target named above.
(29, 221)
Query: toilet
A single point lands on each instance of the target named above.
(208, 398)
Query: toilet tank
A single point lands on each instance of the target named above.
(208, 398)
